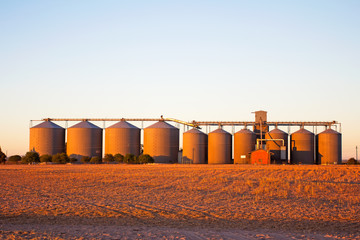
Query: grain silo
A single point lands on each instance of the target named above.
(161, 141)
(302, 147)
(123, 138)
(219, 147)
(244, 144)
(84, 139)
(278, 147)
(329, 147)
(47, 138)
(194, 147)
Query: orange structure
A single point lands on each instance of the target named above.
(122, 138)
(274, 146)
(84, 139)
(195, 147)
(302, 147)
(329, 147)
(244, 144)
(161, 141)
(47, 138)
(260, 156)
(220, 145)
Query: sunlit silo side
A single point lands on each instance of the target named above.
(244, 144)
(329, 147)
(194, 147)
(122, 138)
(47, 138)
(84, 139)
(302, 147)
(275, 146)
(161, 141)
(219, 147)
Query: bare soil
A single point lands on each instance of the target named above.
(111, 201)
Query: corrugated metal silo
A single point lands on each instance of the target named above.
(275, 146)
(329, 147)
(219, 148)
(161, 141)
(47, 138)
(194, 147)
(84, 139)
(244, 144)
(302, 147)
(122, 138)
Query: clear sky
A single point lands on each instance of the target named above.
(202, 60)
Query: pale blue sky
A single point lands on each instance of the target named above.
(202, 60)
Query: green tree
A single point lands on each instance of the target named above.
(61, 158)
(352, 161)
(46, 158)
(119, 158)
(2, 157)
(145, 158)
(85, 159)
(108, 158)
(31, 157)
(14, 158)
(95, 160)
(130, 158)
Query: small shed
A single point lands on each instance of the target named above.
(260, 156)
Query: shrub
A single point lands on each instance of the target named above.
(15, 158)
(145, 158)
(46, 158)
(108, 158)
(95, 160)
(2, 157)
(31, 157)
(352, 161)
(60, 158)
(72, 160)
(85, 159)
(130, 158)
(119, 158)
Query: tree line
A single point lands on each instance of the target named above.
(63, 158)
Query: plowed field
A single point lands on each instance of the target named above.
(112, 201)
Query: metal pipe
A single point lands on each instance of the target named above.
(266, 140)
(261, 133)
(356, 153)
(196, 124)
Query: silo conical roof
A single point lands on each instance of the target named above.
(123, 124)
(161, 124)
(195, 131)
(47, 124)
(303, 131)
(84, 124)
(330, 131)
(245, 131)
(277, 131)
(219, 130)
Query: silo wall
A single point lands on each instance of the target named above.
(195, 147)
(47, 138)
(219, 147)
(302, 147)
(161, 141)
(329, 147)
(84, 140)
(122, 138)
(244, 144)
